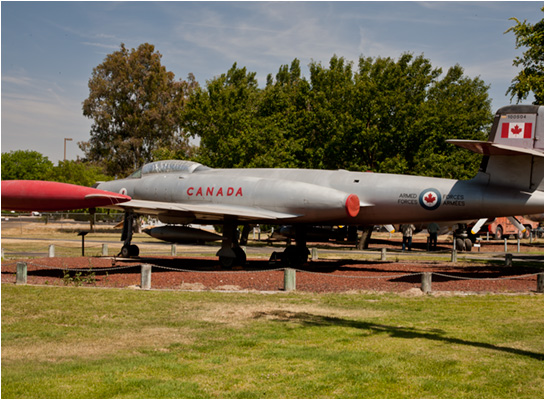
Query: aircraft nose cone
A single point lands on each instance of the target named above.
(352, 205)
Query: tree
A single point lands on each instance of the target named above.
(457, 107)
(530, 78)
(385, 115)
(283, 117)
(394, 116)
(223, 116)
(77, 173)
(25, 164)
(135, 103)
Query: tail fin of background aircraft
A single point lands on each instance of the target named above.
(513, 154)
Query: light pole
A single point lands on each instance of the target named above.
(65, 140)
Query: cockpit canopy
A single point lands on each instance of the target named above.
(168, 166)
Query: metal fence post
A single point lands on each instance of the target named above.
(104, 249)
(314, 254)
(383, 254)
(289, 279)
(21, 276)
(145, 278)
(51, 250)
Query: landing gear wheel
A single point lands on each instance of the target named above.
(460, 245)
(499, 233)
(131, 250)
(468, 244)
(226, 262)
(239, 259)
(295, 256)
(240, 256)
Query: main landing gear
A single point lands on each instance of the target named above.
(231, 254)
(296, 255)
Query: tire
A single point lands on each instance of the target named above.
(134, 250)
(226, 262)
(125, 252)
(460, 245)
(129, 251)
(468, 244)
(295, 256)
(499, 233)
(240, 259)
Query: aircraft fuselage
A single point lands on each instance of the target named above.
(318, 196)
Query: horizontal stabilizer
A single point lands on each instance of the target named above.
(496, 149)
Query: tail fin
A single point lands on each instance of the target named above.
(513, 154)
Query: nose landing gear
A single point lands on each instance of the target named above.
(128, 250)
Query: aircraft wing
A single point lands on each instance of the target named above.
(202, 211)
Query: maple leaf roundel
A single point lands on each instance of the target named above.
(430, 199)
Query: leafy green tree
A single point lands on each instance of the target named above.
(25, 164)
(394, 116)
(457, 107)
(530, 78)
(77, 173)
(134, 103)
(283, 118)
(332, 121)
(223, 116)
(385, 116)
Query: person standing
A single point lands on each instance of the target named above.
(407, 230)
(433, 229)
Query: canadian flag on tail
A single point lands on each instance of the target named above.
(516, 130)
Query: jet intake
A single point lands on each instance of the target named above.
(352, 205)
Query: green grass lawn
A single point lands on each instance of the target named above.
(64, 342)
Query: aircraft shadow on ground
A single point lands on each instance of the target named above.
(369, 328)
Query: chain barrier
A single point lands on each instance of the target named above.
(216, 272)
(270, 270)
(486, 279)
(83, 269)
(361, 277)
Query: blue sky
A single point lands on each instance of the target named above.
(49, 49)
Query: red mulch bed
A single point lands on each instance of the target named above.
(318, 276)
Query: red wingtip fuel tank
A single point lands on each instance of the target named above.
(54, 196)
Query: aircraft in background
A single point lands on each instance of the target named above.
(178, 192)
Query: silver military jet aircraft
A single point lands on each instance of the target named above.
(510, 182)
